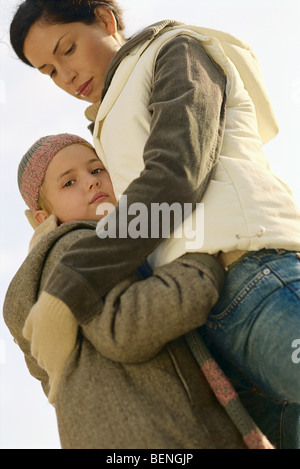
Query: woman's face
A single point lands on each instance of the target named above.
(75, 55)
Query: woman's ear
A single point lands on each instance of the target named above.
(106, 16)
(40, 216)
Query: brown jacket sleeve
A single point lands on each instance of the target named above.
(138, 318)
(187, 107)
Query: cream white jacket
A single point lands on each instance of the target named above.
(246, 207)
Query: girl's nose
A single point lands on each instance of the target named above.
(93, 182)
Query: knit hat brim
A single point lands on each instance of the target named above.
(33, 166)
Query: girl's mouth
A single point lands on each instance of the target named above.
(99, 198)
(84, 89)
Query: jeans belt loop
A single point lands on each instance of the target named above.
(230, 259)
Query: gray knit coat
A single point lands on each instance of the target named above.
(131, 381)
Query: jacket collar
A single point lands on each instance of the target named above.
(147, 34)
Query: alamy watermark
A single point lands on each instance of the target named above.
(296, 353)
(160, 221)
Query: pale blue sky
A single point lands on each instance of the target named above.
(30, 107)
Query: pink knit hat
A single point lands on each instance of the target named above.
(33, 166)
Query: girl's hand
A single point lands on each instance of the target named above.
(52, 331)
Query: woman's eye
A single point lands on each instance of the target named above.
(97, 170)
(70, 50)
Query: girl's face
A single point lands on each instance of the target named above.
(75, 55)
(75, 184)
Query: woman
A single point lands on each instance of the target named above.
(164, 93)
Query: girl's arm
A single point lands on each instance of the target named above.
(138, 318)
(133, 322)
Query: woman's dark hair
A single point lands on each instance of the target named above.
(54, 12)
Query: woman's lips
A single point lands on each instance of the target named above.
(99, 198)
(84, 89)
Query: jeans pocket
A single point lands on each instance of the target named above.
(236, 296)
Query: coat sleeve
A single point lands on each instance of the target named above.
(139, 318)
(187, 110)
(25, 286)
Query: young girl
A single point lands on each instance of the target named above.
(180, 114)
(127, 380)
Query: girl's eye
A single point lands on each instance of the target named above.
(97, 170)
(70, 50)
(68, 183)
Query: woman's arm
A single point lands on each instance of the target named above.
(187, 107)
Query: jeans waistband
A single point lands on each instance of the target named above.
(258, 255)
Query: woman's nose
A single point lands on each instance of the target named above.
(67, 75)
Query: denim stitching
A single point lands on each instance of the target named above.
(258, 256)
(238, 299)
(285, 284)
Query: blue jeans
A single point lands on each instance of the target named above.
(251, 332)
